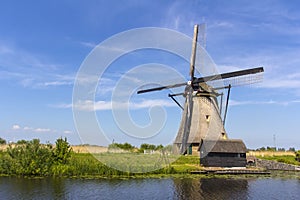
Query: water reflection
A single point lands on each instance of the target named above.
(26, 188)
(211, 188)
(169, 188)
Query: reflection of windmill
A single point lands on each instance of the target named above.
(202, 117)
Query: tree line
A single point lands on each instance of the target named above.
(128, 147)
(292, 149)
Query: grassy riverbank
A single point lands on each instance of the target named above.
(32, 159)
(86, 165)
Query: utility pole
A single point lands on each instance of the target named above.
(274, 140)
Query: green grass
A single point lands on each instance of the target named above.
(109, 165)
(186, 164)
(284, 159)
(130, 164)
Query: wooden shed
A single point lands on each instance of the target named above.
(223, 153)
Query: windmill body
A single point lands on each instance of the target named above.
(205, 121)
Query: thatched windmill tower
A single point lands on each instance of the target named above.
(202, 118)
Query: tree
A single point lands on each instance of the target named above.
(22, 142)
(271, 148)
(2, 141)
(298, 156)
(261, 149)
(62, 151)
(159, 147)
(281, 149)
(292, 149)
(127, 146)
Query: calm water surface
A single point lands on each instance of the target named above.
(168, 188)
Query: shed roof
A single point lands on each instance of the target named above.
(224, 146)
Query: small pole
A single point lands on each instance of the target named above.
(227, 101)
(221, 104)
(176, 101)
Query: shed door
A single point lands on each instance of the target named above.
(190, 150)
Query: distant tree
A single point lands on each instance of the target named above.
(150, 147)
(261, 149)
(159, 147)
(2, 141)
(271, 148)
(22, 142)
(292, 149)
(144, 146)
(126, 146)
(113, 146)
(281, 149)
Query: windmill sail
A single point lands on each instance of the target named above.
(242, 77)
(193, 55)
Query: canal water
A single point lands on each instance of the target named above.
(150, 188)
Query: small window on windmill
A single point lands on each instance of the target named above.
(207, 118)
(224, 136)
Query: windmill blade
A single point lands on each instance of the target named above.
(229, 75)
(193, 55)
(161, 88)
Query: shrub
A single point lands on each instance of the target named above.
(298, 156)
(2, 141)
(62, 151)
(31, 158)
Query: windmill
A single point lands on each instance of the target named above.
(202, 111)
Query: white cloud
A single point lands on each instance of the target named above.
(16, 127)
(88, 44)
(89, 105)
(26, 128)
(29, 129)
(57, 83)
(40, 130)
(67, 132)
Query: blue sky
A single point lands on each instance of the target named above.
(43, 44)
